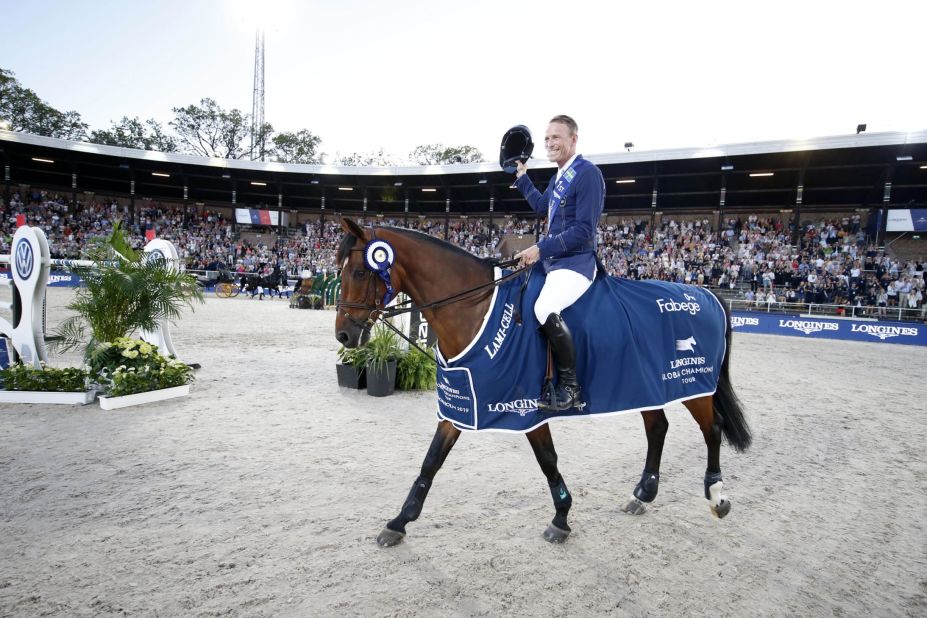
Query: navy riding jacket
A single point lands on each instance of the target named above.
(571, 239)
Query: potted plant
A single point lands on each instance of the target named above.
(416, 371)
(131, 372)
(352, 367)
(383, 352)
(121, 292)
(24, 384)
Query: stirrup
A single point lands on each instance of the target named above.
(548, 399)
(561, 399)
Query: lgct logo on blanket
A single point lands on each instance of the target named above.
(493, 347)
(691, 305)
(686, 345)
(518, 406)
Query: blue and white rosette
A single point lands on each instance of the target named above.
(379, 257)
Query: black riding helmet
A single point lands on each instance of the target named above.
(516, 146)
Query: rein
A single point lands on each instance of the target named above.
(384, 313)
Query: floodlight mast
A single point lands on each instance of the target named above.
(257, 101)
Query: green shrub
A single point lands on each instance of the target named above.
(167, 373)
(20, 377)
(416, 371)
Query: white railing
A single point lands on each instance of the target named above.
(868, 312)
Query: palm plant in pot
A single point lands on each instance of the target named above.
(383, 353)
(123, 291)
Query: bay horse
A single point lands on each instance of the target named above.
(430, 270)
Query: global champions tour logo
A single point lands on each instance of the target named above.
(25, 259)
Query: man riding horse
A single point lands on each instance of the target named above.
(573, 204)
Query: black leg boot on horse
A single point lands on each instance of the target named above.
(444, 440)
(567, 393)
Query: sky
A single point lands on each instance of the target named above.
(365, 75)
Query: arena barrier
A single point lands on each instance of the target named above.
(30, 262)
(56, 278)
(332, 290)
(24, 337)
(908, 333)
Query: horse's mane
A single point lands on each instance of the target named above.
(349, 240)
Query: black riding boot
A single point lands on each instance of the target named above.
(567, 393)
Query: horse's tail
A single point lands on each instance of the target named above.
(725, 401)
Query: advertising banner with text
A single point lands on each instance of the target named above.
(910, 333)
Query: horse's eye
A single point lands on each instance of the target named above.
(359, 273)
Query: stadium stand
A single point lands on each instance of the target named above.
(749, 258)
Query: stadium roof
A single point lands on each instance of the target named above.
(849, 171)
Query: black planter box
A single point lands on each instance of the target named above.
(381, 383)
(351, 376)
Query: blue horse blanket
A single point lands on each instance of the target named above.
(640, 345)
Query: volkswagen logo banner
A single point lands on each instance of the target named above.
(24, 258)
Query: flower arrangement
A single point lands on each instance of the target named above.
(126, 366)
(20, 377)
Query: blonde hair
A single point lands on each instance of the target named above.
(569, 122)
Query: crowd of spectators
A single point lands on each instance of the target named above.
(753, 258)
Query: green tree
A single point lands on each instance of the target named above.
(210, 131)
(263, 141)
(133, 133)
(299, 147)
(23, 110)
(439, 154)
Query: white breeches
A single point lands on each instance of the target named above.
(561, 289)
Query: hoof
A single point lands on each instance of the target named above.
(553, 534)
(634, 507)
(389, 538)
(723, 508)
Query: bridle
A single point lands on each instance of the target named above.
(379, 307)
(376, 306)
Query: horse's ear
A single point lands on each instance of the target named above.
(352, 228)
